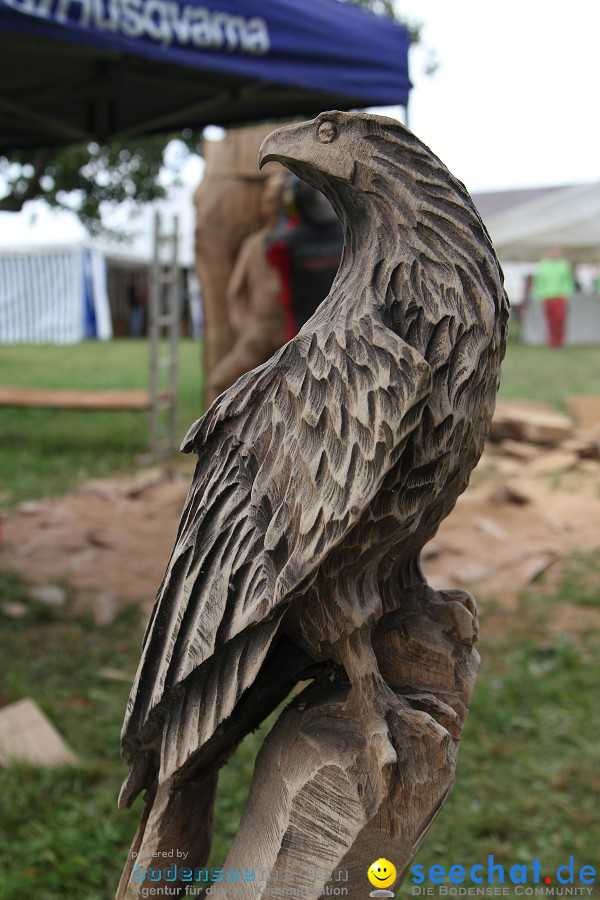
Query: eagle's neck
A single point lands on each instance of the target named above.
(428, 244)
(376, 242)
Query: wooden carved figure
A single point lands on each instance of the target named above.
(320, 477)
(227, 204)
(255, 312)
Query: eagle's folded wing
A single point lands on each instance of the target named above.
(289, 458)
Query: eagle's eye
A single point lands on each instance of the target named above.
(327, 131)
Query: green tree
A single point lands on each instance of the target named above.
(84, 177)
(388, 8)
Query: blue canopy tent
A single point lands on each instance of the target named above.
(77, 70)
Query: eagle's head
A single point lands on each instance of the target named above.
(322, 149)
(329, 153)
(399, 204)
(365, 162)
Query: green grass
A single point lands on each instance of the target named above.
(549, 376)
(61, 833)
(62, 837)
(527, 780)
(45, 451)
(581, 577)
(48, 451)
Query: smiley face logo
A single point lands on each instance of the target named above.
(382, 873)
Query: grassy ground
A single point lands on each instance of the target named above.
(527, 783)
(528, 779)
(550, 376)
(62, 837)
(47, 451)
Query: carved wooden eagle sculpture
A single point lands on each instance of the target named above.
(321, 474)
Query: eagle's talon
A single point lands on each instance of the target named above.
(459, 607)
(460, 596)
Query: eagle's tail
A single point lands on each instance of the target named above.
(179, 802)
(175, 831)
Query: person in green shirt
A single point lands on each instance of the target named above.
(553, 284)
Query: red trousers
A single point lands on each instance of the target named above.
(555, 309)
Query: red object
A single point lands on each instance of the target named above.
(278, 256)
(555, 309)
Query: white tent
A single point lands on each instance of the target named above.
(52, 283)
(53, 279)
(522, 233)
(53, 294)
(567, 218)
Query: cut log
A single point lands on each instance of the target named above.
(71, 399)
(530, 422)
(585, 410)
(555, 461)
(586, 445)
(511, 492)
(519, 449)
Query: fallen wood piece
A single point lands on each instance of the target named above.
(519, 449)
(71, 399)
(105, 608)
(114, 674)
(586, 446)
(510, 492)
(14, 609)
(585, 410)
(505, 409)
(543, 428)
(49, 594)
(529, 406)
(471, 572)
(30, 507)
(97, 540)
(530, 424)
(489, 526)
(148, 480)
(554, 461)
(26, 735)
(538, 565)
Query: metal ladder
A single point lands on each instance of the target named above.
(164, 328)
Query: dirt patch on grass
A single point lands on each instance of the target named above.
(110, 542)
(511, 529)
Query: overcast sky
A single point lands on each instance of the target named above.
(514, 102)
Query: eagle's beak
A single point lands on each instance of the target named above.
(310, 150)
(284, 145)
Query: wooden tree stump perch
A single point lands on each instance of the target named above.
(330, 795)
(320, 477)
